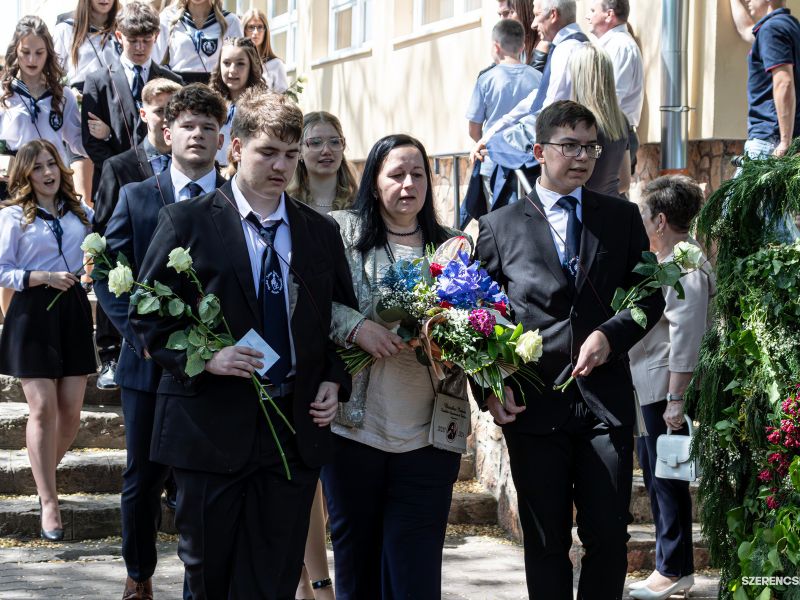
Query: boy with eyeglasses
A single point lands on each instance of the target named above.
(561, 252)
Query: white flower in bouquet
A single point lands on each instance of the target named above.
(120, 280)
(529, 346)
(687, 255)
(180, 259)
(94, 244)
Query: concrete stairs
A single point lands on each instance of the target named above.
(90, 479)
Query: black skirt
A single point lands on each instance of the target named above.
(37, 343)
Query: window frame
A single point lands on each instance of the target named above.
(459, 10)
(285, 22)
(361, 32)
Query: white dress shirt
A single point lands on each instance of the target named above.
(559, 88)
(130, 72)
(35, 248)
(179, 182)
(256, 247)
(274, 75)
(628, 70)
(557, 216)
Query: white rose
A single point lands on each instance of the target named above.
(94, 244)
(180, 259)
(529, 346)
(687, 255)
(120, 280)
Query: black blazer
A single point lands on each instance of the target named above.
(107, 94)
(129, 167)
(129, 231)
(209, 422)
(516, 245)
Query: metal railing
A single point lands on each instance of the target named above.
(455, 178)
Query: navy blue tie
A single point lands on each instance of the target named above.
(572, 244)
(138, 84)
(272, 300)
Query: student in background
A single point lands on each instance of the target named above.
(239, 68)
(191, 37)
(256, 27)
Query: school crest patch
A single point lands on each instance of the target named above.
(209, 46)
(56, 120)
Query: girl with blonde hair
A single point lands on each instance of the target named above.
(256, 27)
(593, 86)
(191, 37)
(51, 349)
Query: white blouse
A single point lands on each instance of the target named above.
(17, 125)
(275, 75)
(190, 49)
(97, 52)
(35, 248)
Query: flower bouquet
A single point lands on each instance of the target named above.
(202, 337)
(452, 313)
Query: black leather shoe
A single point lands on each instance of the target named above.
(171, 492)
(55, 535)
(105, 380)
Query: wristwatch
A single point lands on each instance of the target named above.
(674, 397)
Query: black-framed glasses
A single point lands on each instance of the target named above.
(318, 143)
(573, 150)
(255, 28)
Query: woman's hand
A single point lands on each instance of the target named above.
(379, 341)
(97, 128)
(60, 280)
(673, 415)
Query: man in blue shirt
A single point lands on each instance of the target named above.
(774, 115)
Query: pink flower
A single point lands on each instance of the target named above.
(436, 269)
(774, 458)
(765, 475)
(774, 436)
(772, 503)
(482, 321)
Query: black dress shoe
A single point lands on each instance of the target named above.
(171, 492)
(54, 535)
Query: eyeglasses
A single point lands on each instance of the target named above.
(318, 143)
(573, 150)
(255, 28)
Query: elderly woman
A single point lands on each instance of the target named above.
(388, 489)
(662, 365)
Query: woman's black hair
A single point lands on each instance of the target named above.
(367, 205)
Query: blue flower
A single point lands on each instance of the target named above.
(401, 275)
(465, 285)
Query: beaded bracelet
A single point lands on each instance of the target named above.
(351, 339)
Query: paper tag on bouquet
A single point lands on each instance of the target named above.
(253, 340)
(450, 423)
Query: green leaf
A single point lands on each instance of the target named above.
(645, 269)
(205, 353)
(390, 315)
(196, 338)
(731, 386)
(208, 308)
(178, 341)
(121, 258)
(740, 594)
(148, 304)
(516, 333)
(162, 290)
(194, 364)
(744, 551)
(175, 307)
(681, 292)
(766, 594)
(639, 316)
(619, 296)
(650, 257)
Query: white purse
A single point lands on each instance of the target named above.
(673, 455)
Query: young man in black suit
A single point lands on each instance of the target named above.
(112, 98)
(276, 266)
(560, 253)
(193, 118)
(144, 160)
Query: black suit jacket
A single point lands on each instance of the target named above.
(516, 245)
(107, 94)
(129, 167)
(209, 422)
(129, 231)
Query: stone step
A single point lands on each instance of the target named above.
(640, 502)
(101, 427)
(80, 472)
(466, 470)
(84, 516)
(642, 548)
(472, 505)
(11, 391)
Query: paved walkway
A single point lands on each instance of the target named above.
(476, 567)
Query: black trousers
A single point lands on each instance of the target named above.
(670, 500)
(107, 338)
(388, 516)
(591, 465)
(243, 535)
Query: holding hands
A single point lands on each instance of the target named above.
(379, 341)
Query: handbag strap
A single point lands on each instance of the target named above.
(688, 422)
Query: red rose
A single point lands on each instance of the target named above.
(765, 475)
(500, 307)
(445, 304)
(435, 269)
(772, 503)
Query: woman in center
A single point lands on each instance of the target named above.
(388, 489)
